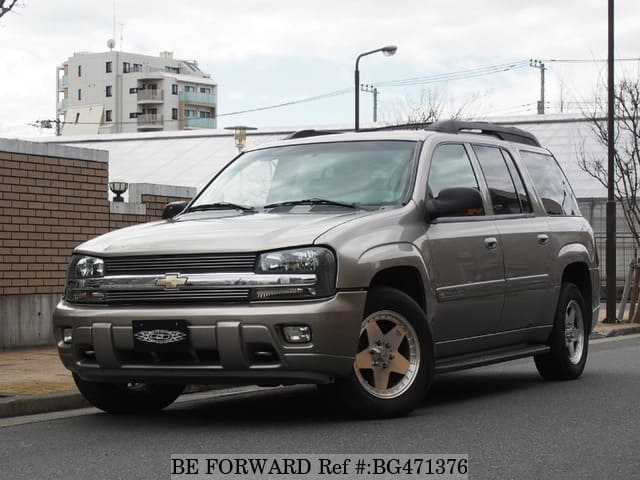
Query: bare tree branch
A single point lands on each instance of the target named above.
(626, 150)
(6, 6)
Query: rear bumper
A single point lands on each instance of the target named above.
(240, 344)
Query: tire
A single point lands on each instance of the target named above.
(569, 340)
(394, 363)
(128, 397)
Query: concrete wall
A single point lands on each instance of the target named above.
(53, 198)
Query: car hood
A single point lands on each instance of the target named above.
(218, 232)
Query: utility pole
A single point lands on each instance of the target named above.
(610, 251)
(539, 64)
(374, 90)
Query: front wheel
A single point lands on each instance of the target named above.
(393, 366)
(128, 397)
(569, 338)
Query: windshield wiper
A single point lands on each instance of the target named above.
(221, 206)
(312, 201)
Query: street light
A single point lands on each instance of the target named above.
(387, 51)
(118, 188)
(240, 135)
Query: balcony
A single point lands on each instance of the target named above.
(63, 82)
(62, 105)
(151, 95)
(150, 122)
(198, 98)
(200, 122)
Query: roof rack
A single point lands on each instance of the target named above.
(509, 134)
(400, 126)
(311, 133)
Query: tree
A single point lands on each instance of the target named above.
(626, 150)
(6, 6)
(431, 107)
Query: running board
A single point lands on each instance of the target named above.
(488, 357)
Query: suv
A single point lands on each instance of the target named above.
(363, 262)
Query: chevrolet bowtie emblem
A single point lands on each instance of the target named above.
(171, 281)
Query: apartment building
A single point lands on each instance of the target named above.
(115, 92)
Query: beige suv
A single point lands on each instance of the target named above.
(362, 262)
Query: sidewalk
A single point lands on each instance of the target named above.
(33, 380)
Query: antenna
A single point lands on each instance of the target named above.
(111, 43)
(121, 35)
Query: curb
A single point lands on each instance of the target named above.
(20, 405)
(41, 403)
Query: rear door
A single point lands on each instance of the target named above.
(525, 241)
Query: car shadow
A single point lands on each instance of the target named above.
(304, 405)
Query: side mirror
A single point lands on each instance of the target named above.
(172, 209)
(455, 202)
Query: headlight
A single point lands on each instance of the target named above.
(319, 261)
(86, 267)
(82, 269)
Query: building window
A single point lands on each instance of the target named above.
(137, 67)
(189, 113)
(108, 115)
(79, 70)
(174, 114)
(77, 117)
(79, 94)
(152, 111)
(126, 67)
(174, 89)
(189, 88)
(205, 90)
(152, 86)
(133, 90)
(205, 114)
(108, 91)
(108, 67)
(133, 115)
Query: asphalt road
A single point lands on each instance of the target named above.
(511, 423)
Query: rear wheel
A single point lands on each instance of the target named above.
(393, 366)
(128, 397)
(569, 338)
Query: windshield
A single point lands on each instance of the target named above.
(360, 173)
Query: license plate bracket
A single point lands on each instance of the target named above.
(160, 335)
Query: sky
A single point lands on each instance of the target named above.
(265, 53)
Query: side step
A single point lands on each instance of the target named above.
(488, 357)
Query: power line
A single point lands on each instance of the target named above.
(594, 60)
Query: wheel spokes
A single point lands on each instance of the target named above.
(399, 364)
(394, 337)
(381, 378)
(364, 359)
(373, 332)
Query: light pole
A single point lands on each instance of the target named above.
(388, 51)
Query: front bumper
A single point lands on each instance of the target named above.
(240, 344)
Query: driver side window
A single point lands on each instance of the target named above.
(450, 167)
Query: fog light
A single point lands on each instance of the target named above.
(67, 335)
(297, 334)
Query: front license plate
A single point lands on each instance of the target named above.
(160, 335)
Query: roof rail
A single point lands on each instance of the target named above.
(509, 134)
(400, 126)
(310, 133)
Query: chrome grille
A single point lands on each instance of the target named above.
(180, 263)
(175, 296)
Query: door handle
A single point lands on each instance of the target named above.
(491, 243)
(543, 239)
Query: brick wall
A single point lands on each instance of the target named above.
(49, 205)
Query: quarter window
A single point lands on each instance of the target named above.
(551, 184)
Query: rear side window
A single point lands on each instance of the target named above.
(551, 184)
(507, 193)
(450, 167)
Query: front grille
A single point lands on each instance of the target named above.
(190, 295)
(198, 263)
